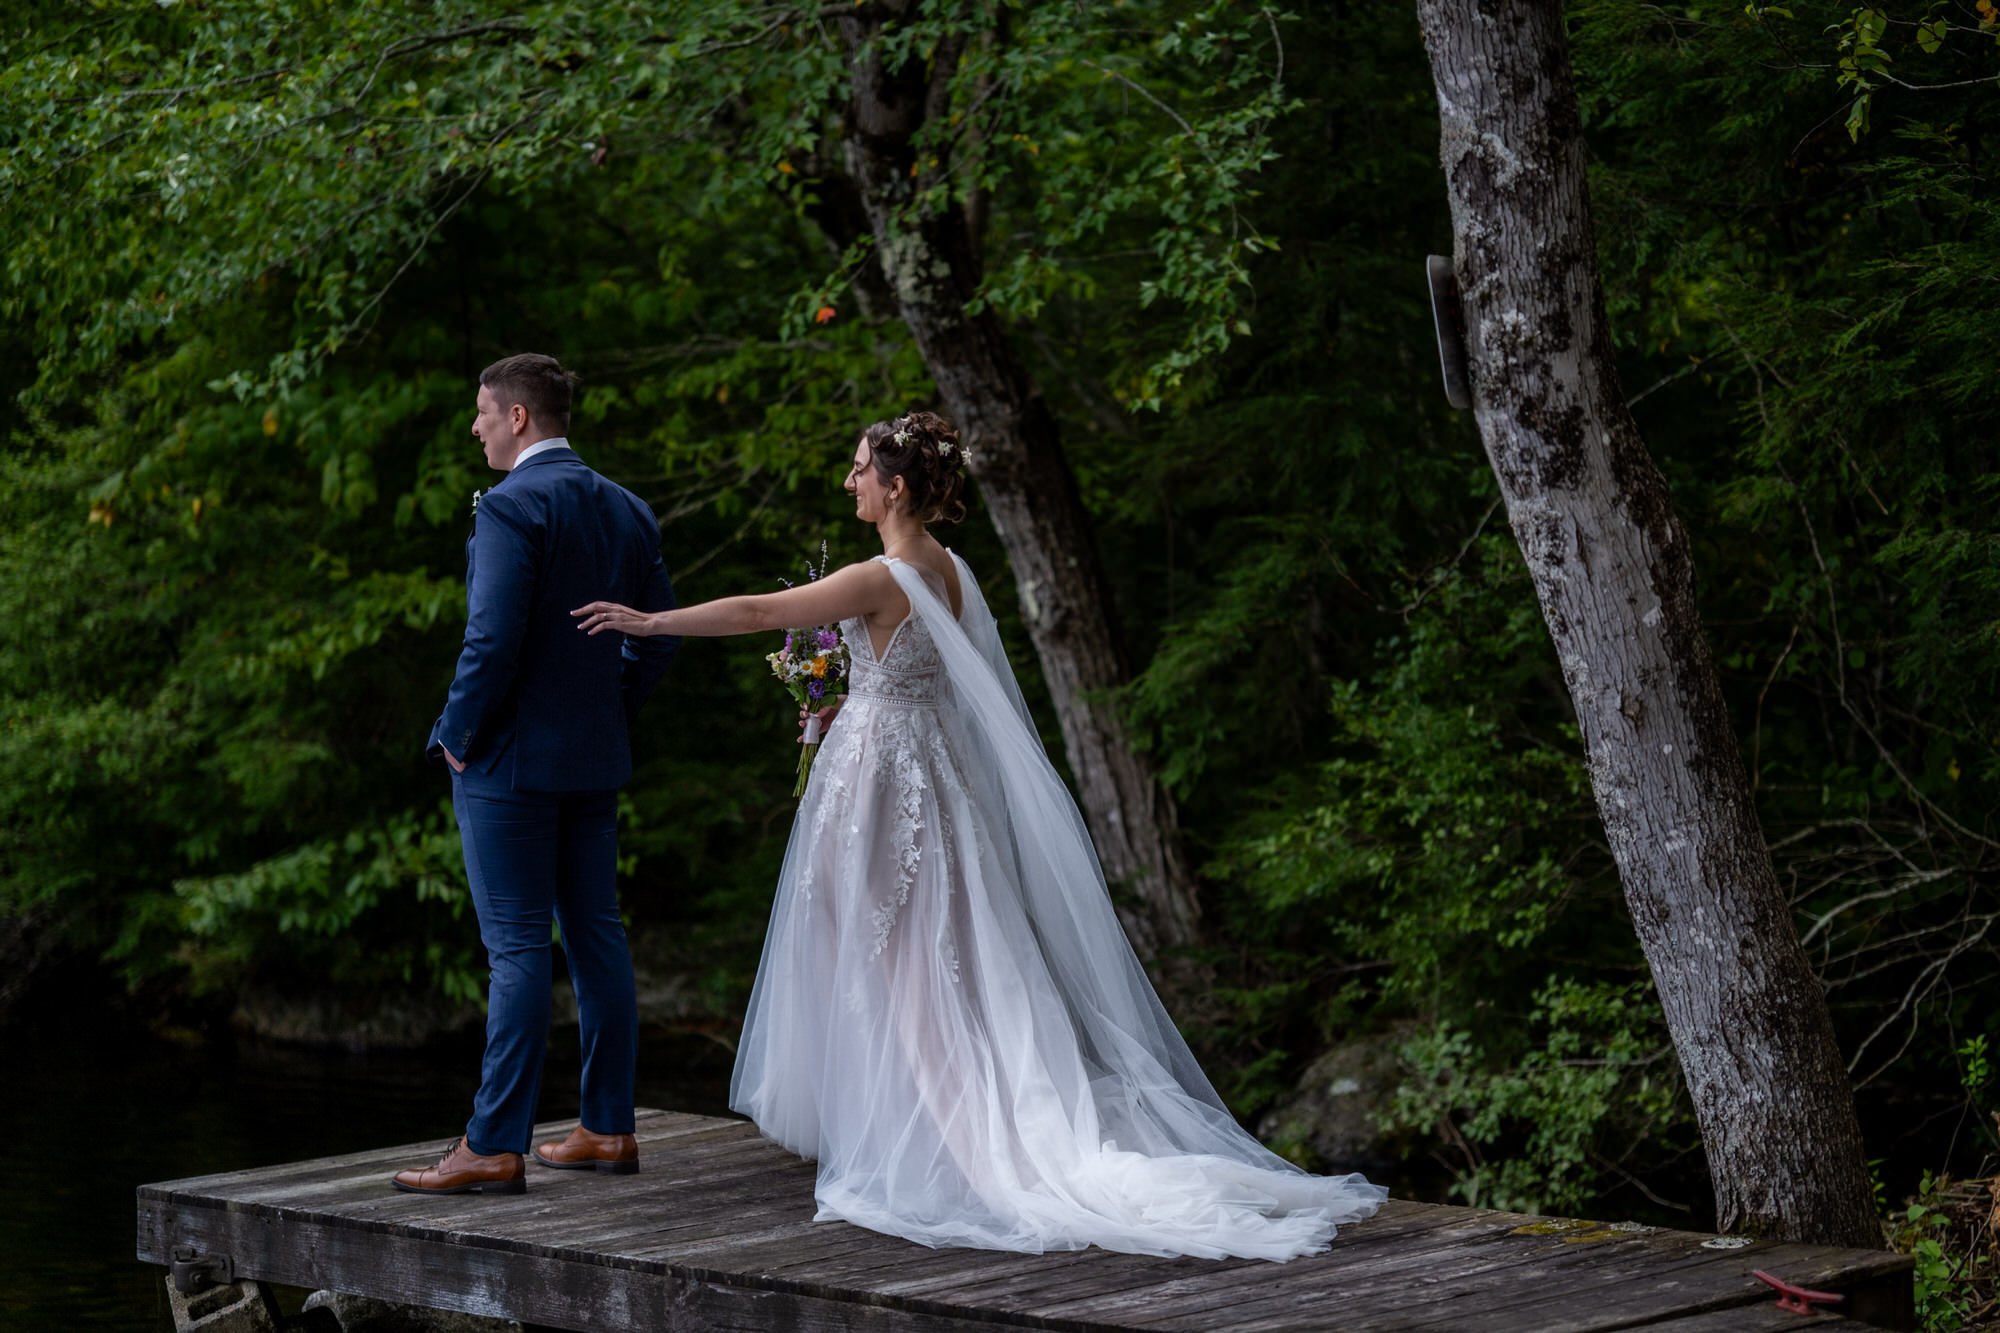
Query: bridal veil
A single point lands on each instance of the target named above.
(948, 1016)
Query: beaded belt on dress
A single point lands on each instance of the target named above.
(908, 689)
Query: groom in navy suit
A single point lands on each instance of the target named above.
(536, 732)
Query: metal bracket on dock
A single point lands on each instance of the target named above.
(1795, 1298)
(193, 1272)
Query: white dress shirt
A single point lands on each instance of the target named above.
(540, 447)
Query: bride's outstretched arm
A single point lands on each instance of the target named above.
(857, 590)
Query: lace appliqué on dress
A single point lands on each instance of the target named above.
(911, 784)
(891, 782)
(909, 689)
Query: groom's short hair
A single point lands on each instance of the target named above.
(536, 382)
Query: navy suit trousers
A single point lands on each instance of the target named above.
(533, 858)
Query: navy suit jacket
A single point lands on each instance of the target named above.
(537, 705)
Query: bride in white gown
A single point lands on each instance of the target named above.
(947, 1015)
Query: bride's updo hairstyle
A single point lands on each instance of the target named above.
(923, 449)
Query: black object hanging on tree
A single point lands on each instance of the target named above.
(1449, 316)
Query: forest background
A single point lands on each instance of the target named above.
(257, 254)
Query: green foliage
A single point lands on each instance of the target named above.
(219, 606)
(1954, 1274)
(308, 896)
(1799, 305)
(258, 251)
(1976, 1068)
(1434, 840)
(201, 153)
(1796, 312)
(1193, 100)
(1589, 1086)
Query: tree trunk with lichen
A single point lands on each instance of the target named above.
(1615, 577)
(931, 263)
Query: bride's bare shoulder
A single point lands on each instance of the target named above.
(874, 571)
(864, 588)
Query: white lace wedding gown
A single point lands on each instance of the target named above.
(947, 1015)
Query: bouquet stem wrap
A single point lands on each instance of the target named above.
(808, 749)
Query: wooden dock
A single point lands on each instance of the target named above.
(716, 1232)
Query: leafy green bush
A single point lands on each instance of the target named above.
(1955, 1277)
(1553, 1128)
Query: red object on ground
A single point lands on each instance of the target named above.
(1796, 1299)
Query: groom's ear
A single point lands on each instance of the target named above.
(517, 417)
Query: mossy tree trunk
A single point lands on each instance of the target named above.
(932, 263)
(1615, 577)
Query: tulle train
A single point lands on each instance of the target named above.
(947, 1015)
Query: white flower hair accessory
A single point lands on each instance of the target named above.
(902, 439)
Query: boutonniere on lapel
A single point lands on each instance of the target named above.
(475, 501)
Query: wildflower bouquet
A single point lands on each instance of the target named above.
(812, 662)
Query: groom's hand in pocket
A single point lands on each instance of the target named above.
(457, 765)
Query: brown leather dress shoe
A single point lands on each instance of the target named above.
(463, 1171)
(585, 1151)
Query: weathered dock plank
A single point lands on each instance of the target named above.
(1758, 1319)
(716, 1232)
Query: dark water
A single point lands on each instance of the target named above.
(89, 1113)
